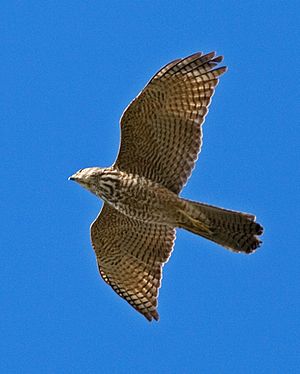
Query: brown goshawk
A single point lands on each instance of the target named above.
(161, 136)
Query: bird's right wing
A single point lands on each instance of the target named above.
(130, 256)
(161, 131)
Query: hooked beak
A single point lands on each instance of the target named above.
(72, 178)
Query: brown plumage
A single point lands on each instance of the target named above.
(161, 136)
(233, 230)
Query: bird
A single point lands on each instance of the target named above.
(161, 136)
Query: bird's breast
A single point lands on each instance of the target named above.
(141, 198)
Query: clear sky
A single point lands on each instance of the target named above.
(68, 69)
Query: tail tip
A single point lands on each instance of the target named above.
(258, 229)
(253, 246)
(253, 242)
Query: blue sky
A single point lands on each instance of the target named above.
(68, 70)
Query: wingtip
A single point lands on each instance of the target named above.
(218, 59)
(194, 55)
(156, 316)
(222, 70)
(151, 315)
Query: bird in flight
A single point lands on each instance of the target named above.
(161, 136)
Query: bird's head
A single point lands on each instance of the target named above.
(88, 178)
(99, 181)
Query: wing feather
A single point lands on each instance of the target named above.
(161, 132)
(130, 256)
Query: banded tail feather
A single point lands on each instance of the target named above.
(233, 230)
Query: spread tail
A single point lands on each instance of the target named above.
(233, 230)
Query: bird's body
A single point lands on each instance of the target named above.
(134, 196)
(133, 235)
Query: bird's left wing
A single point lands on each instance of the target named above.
(161, 131)
(130, 256)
